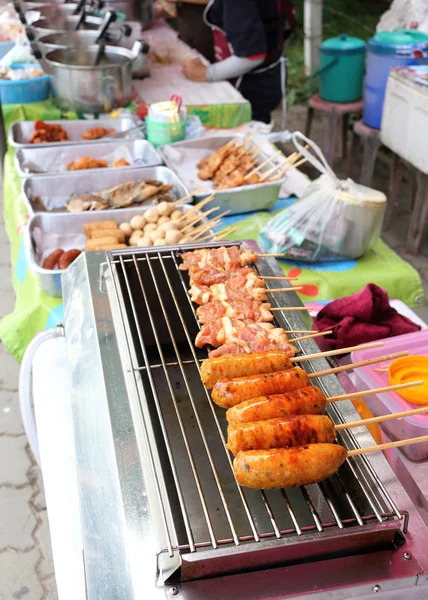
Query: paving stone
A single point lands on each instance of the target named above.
(43, 537)
(17, 519)
(7, 302)
(19, 579)
(9, 369)
(10, 415)
(15, 460)
(39, 500)
(52, 594)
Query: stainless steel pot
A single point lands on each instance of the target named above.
(76, 39)
(86, 88)
(48, 26)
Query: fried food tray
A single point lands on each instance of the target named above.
(52, 192)
(183, 157)
(34, 161)
(21, 131)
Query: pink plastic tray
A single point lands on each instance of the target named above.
(391, 402)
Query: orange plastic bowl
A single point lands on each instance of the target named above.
(407, 369)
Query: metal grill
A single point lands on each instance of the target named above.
(210, 510)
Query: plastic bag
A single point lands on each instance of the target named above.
(21, 53)
(332, 220)
(405, 14)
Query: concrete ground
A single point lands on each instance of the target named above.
(26, 567)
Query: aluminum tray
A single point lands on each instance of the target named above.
(71, 223)
(239, 200)
(21, 131)
(51, 161)
(55, 190)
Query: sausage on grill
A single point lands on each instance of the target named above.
(229, 392)
(309, 400)
(288, 467)
(229, 367)
(299, 430)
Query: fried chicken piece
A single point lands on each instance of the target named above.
(96, 133)
(46, 132)
(86, 162)
(120, 162)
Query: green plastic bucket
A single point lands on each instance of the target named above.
(159, 133)
(342, 69)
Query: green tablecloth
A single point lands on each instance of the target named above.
(35, 310)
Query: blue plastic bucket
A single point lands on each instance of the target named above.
(385, 51)
(25, 91)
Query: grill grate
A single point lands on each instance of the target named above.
(210, 510)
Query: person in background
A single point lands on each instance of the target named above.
(249, 38)
(192, 29)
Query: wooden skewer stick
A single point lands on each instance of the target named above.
(273, 169)
(212, 222)
(302, 331)
(382, 418)
(270, 255)
(381, 370)
(198, 232)
(263, 164)
(226, 233)
(288, 308)
(367, 346)
(363, 363)
(290, 289)
(208, 238)
(374, 391)
(199, 218)
(278, 278)
(398, 444)
(186, 197)
(311, 336)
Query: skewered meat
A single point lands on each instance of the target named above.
(288, 467)
(207, 276)
(244, 310)
(230, 259)
(229, 392)
(282, 432)
(304, 401)
(235, 288)
(213, 369)
(96, 133)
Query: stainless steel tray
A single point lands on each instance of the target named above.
(239, 200)
(55, 190)
(70, 224)
(51, 161)
(21, 131)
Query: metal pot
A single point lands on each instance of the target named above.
(86, 88)
(76, 39)
(48, 11)
(51, 25)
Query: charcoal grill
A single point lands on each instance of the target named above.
(161, 510)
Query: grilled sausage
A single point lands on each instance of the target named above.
(51, 260)
(67, 258)
(306, 401)
(228, 367)
(298, 430)
(229, 392)
(288, 467)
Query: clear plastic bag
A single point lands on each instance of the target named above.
(333, 219)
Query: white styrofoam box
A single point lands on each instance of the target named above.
(404, 127)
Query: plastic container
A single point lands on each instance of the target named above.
(159, 133)
(388, 49)
(405, 117)
(5, 47)
(26, 90)
(391, 402)
(342, 69)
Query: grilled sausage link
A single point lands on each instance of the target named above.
(288, 467)
(298, 430)
(229, 367)
(67, 258)
(229, 392)
(306, 401)
(51, 260)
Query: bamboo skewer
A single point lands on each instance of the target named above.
(311, 336)
(211, 222)
(374, 391)
(387, 446)
(271, 254)
(225, 234)
(288, 308)
(278, 278)
(367, 346)
(302, 331)
(363, 363)
(199, 218)
(186, 197)
(290, 289)
(273, 169)
(261, 165)
(382, 418)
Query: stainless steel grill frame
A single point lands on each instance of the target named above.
(201, 523)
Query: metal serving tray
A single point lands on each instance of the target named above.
(72, 223)
(151, 458)
(51, 161)
(21, 131)
(241, 199)
(55, 190)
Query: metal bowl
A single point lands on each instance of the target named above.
(86, 88)
(74, 39)
(48, 26)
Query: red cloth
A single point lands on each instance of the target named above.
(364, 317)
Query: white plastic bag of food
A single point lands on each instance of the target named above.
(21, 53)
(333, 219)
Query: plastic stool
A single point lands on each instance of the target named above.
(371, 143)
(337, 122)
